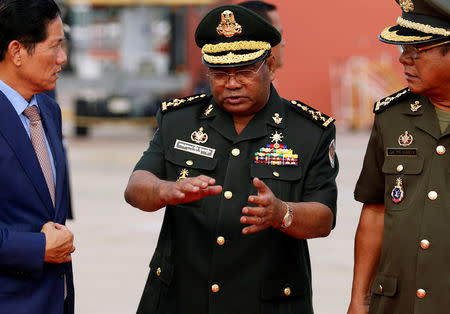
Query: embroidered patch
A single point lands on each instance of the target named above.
(404, 152)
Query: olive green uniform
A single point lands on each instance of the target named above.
(413, 275)
(203, 263)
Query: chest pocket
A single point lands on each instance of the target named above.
(279, 179)
(408, 169)
(195, 165)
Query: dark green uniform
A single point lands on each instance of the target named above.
(203, 263)
(413, 275)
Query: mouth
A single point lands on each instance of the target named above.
(409, 76)
(234, 100)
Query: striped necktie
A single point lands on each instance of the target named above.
(40, 147)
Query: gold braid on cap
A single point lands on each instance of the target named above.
(236, 45)
(231, 58)
(388, 35)
(424, 28)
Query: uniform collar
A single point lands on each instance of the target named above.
(425, 116)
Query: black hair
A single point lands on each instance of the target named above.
(259, 7)
(25, 21)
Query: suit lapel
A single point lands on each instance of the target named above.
(14, 133)
(56, 147)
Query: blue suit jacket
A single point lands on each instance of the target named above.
(27, 284)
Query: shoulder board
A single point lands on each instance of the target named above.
(385, 103)
(315, 115)
(180, 102)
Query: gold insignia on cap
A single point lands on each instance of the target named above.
(415, 106)
(406, 5)
(277, 118)
(228, 25)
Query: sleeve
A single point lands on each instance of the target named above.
(371, 184)
(22, 253)
(320, 181)
(153, 158)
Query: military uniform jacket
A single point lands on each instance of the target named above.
(203, 263)
(406, 143)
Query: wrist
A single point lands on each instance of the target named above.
(288, 216)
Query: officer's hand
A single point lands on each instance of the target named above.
(189, 190)
(268, 213)
(58, 243)
(358, 308)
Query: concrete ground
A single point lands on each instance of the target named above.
(115, 241)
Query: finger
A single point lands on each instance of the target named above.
(260, 199)
(254, 211)
(252, 220)
(208, 180)
(260, 186)
(254, 229)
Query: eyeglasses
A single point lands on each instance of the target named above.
(244, 77)
(414, 52)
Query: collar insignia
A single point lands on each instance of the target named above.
(277, 118)
(208, 110)
(415, 106)
(228, 25)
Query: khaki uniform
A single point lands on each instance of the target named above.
(203, 263)
(413, 275)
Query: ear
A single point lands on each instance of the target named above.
(271, 66)
(15, 52)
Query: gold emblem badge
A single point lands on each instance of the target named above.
(406, 5)
(415, 106)
(228, 25)
(208, 110)
(405, 139)
(276, 137)
(183, 174)
(199, 136)
(277, 118)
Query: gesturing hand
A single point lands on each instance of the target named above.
(189, 190)
(58, 243)
(268, 213)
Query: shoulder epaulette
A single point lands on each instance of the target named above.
(179, 102)
(385, 103)
(315, 115)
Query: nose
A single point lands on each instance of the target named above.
(232, 82)
(405, 58)
(62, 57)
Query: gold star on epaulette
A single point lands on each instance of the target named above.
(384, 103)
(178, 102)
(320, 118)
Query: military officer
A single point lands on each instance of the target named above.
(246, 177)
(402, 247)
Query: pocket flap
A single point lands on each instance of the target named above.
(385, 285)
(286, 173)
(161, 268)
(282, 289)
(185, 159)
(409, 165)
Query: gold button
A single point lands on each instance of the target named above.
(276, 174)
(189, 162)
(215, 288)
(440, 150)
(287, 291)
(424, 244)
(432, 195)
(421, 293)
(220, 240)
(228, 195)
(399, 168)
(235, 152)
(380, 288)
(158, 271)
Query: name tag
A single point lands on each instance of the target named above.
(406, 152)
(194, 148)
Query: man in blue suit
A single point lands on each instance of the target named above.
(35, 246)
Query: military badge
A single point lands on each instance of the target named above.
(228, 25)
(276, 154)
(183, 174)
(277, 119)
(208, 110)
(332, 152)
(405, 139)
(199, 136)
(415, 106)
(397, 192)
